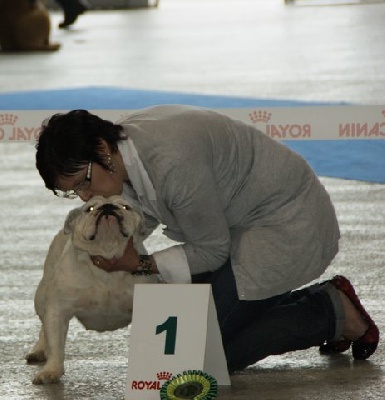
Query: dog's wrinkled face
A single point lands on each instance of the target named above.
(103, 226)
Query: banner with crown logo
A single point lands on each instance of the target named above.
(280, 123)
(174, 328)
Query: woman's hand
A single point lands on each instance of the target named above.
(128, 262)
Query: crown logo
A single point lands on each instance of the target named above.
(260, 116)
(164, 376)
(8, 119)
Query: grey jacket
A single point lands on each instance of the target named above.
(225, 189)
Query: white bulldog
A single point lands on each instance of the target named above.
(73, 287)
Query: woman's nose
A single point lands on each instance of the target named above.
(85, 196)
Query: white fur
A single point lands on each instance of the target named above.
(73, 287)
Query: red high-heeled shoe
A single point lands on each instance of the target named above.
(366, 345)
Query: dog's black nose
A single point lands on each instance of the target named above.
(108, 209)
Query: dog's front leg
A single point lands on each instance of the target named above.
(55, 325)
(38, 353)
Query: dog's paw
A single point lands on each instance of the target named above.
(47, 376)
(35, 357)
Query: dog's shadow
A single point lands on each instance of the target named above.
(55, 391)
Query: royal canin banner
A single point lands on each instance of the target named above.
(280, 123)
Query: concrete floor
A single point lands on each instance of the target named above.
(257, 48)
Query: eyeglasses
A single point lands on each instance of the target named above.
(82, 187)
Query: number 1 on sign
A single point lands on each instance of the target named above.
(170, 326)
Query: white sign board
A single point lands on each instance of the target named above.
(174, 328)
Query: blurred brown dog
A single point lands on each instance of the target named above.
(25, 26)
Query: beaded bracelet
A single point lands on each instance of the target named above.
(145, 265)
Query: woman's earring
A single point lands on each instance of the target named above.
(110, 164)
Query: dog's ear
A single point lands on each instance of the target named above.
(69, 222)
(142, 229)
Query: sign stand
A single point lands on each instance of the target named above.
(174, 328)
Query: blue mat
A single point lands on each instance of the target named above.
(359, 160)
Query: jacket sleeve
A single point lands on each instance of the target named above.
(191, 196)
(173, 265)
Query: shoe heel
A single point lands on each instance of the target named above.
(364, 347)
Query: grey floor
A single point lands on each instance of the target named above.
(257, 48)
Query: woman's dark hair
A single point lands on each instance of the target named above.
(68, 142)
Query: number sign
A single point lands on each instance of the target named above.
(174, 329)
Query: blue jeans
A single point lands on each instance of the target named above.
(253, 330)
